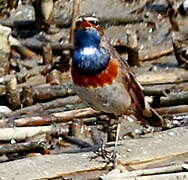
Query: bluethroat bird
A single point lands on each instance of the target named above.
(103, 80)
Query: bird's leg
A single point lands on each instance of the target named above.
(114, 156)
(109, 156)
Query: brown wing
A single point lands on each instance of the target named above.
(141, 109)
(129, 81)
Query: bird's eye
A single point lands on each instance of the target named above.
(78, 24)
(96, 23)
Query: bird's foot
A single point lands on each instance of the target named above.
(107, 156)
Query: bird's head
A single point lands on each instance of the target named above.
(89, 57)
(88, 32)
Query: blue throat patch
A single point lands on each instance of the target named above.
(89, 58)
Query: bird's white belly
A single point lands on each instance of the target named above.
(112, 98)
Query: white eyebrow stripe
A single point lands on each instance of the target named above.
(91, 19)
(87, 19)
(185, 4)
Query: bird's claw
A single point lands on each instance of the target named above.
(107, 156)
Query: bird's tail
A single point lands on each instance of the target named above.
(152, 117)
(143, 111)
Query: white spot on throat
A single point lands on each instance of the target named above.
(88, 50)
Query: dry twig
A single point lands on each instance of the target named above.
(55, 117)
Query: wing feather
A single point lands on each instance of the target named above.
(141, 109)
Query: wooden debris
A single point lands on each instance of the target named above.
(20, 48)
(66, 22)
(172, 109)
(22, 133)
(54, 78)
(11, 83)
(13, 98)
(133, 56)
(13, 95)
(180, 53)
(157, 91)
(174, 99)
(44, 106)
(24, 52)
(30, 95)
(38, 70)
(156, 52)
(176, 77)
(174, 176)
(21, 147)
(43, 14)
(132, 51)
(47, 54)
(75, 14)
(4, 36)
(131, 155)
(51, 92)
(172, 14)
(56, 47)
(74, 140)
(5, 50)
(27, 96)
(55, 117)
(143, 173)
(77, 128)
